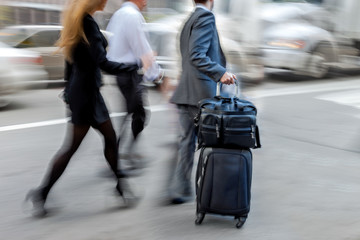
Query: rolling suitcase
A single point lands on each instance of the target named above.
(223, 183)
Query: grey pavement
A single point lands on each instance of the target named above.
(305, 178)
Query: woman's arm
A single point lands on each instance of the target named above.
(98, 51)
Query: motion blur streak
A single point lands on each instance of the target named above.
(156, 108)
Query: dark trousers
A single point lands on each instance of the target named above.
(181, 184)
(133, 92)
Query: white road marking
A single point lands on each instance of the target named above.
(349, 98)
(310, 88)
(32, 125)
(155, 108)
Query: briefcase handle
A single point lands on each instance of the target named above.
(218, 92)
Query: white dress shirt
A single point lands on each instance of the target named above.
(129, 41)
(199, 5)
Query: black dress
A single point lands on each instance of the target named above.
(84, 77)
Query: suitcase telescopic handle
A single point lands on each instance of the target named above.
(218, 92)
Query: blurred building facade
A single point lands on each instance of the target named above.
(49, 11)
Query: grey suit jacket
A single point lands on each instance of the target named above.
(203, 62)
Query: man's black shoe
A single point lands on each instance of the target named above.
(177, 201)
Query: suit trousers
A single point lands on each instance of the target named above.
(133, 91)
(182, 186)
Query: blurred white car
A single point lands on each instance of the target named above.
(18, 69)
(40, 39)
(295, 38)
(163, 40)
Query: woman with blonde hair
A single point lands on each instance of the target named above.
(84, 47)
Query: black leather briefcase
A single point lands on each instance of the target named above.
(227, 123)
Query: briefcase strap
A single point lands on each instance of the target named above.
(257, 134)
(218, 92)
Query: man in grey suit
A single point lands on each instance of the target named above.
(203, 65)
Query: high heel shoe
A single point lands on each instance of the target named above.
(123, 189)
(38, 203)
(119, 189)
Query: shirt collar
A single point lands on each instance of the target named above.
(202, 6)
(131, 4)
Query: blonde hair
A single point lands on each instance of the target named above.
(73, 31)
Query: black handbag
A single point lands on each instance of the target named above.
(227, 123)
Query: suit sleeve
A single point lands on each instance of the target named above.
(199, 44)
(98, 51)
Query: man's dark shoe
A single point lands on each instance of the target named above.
(178, 200)
(37, 198)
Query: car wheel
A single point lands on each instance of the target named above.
(4, 102)
(318, 67)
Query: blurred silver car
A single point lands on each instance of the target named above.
(39, 38)
(295, 38)
(42, 39)
(18, 68)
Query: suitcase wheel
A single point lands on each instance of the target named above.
(241, 221)
(199, 218)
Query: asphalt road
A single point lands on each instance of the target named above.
(305, 178)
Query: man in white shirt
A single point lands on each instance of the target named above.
(129, 44)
